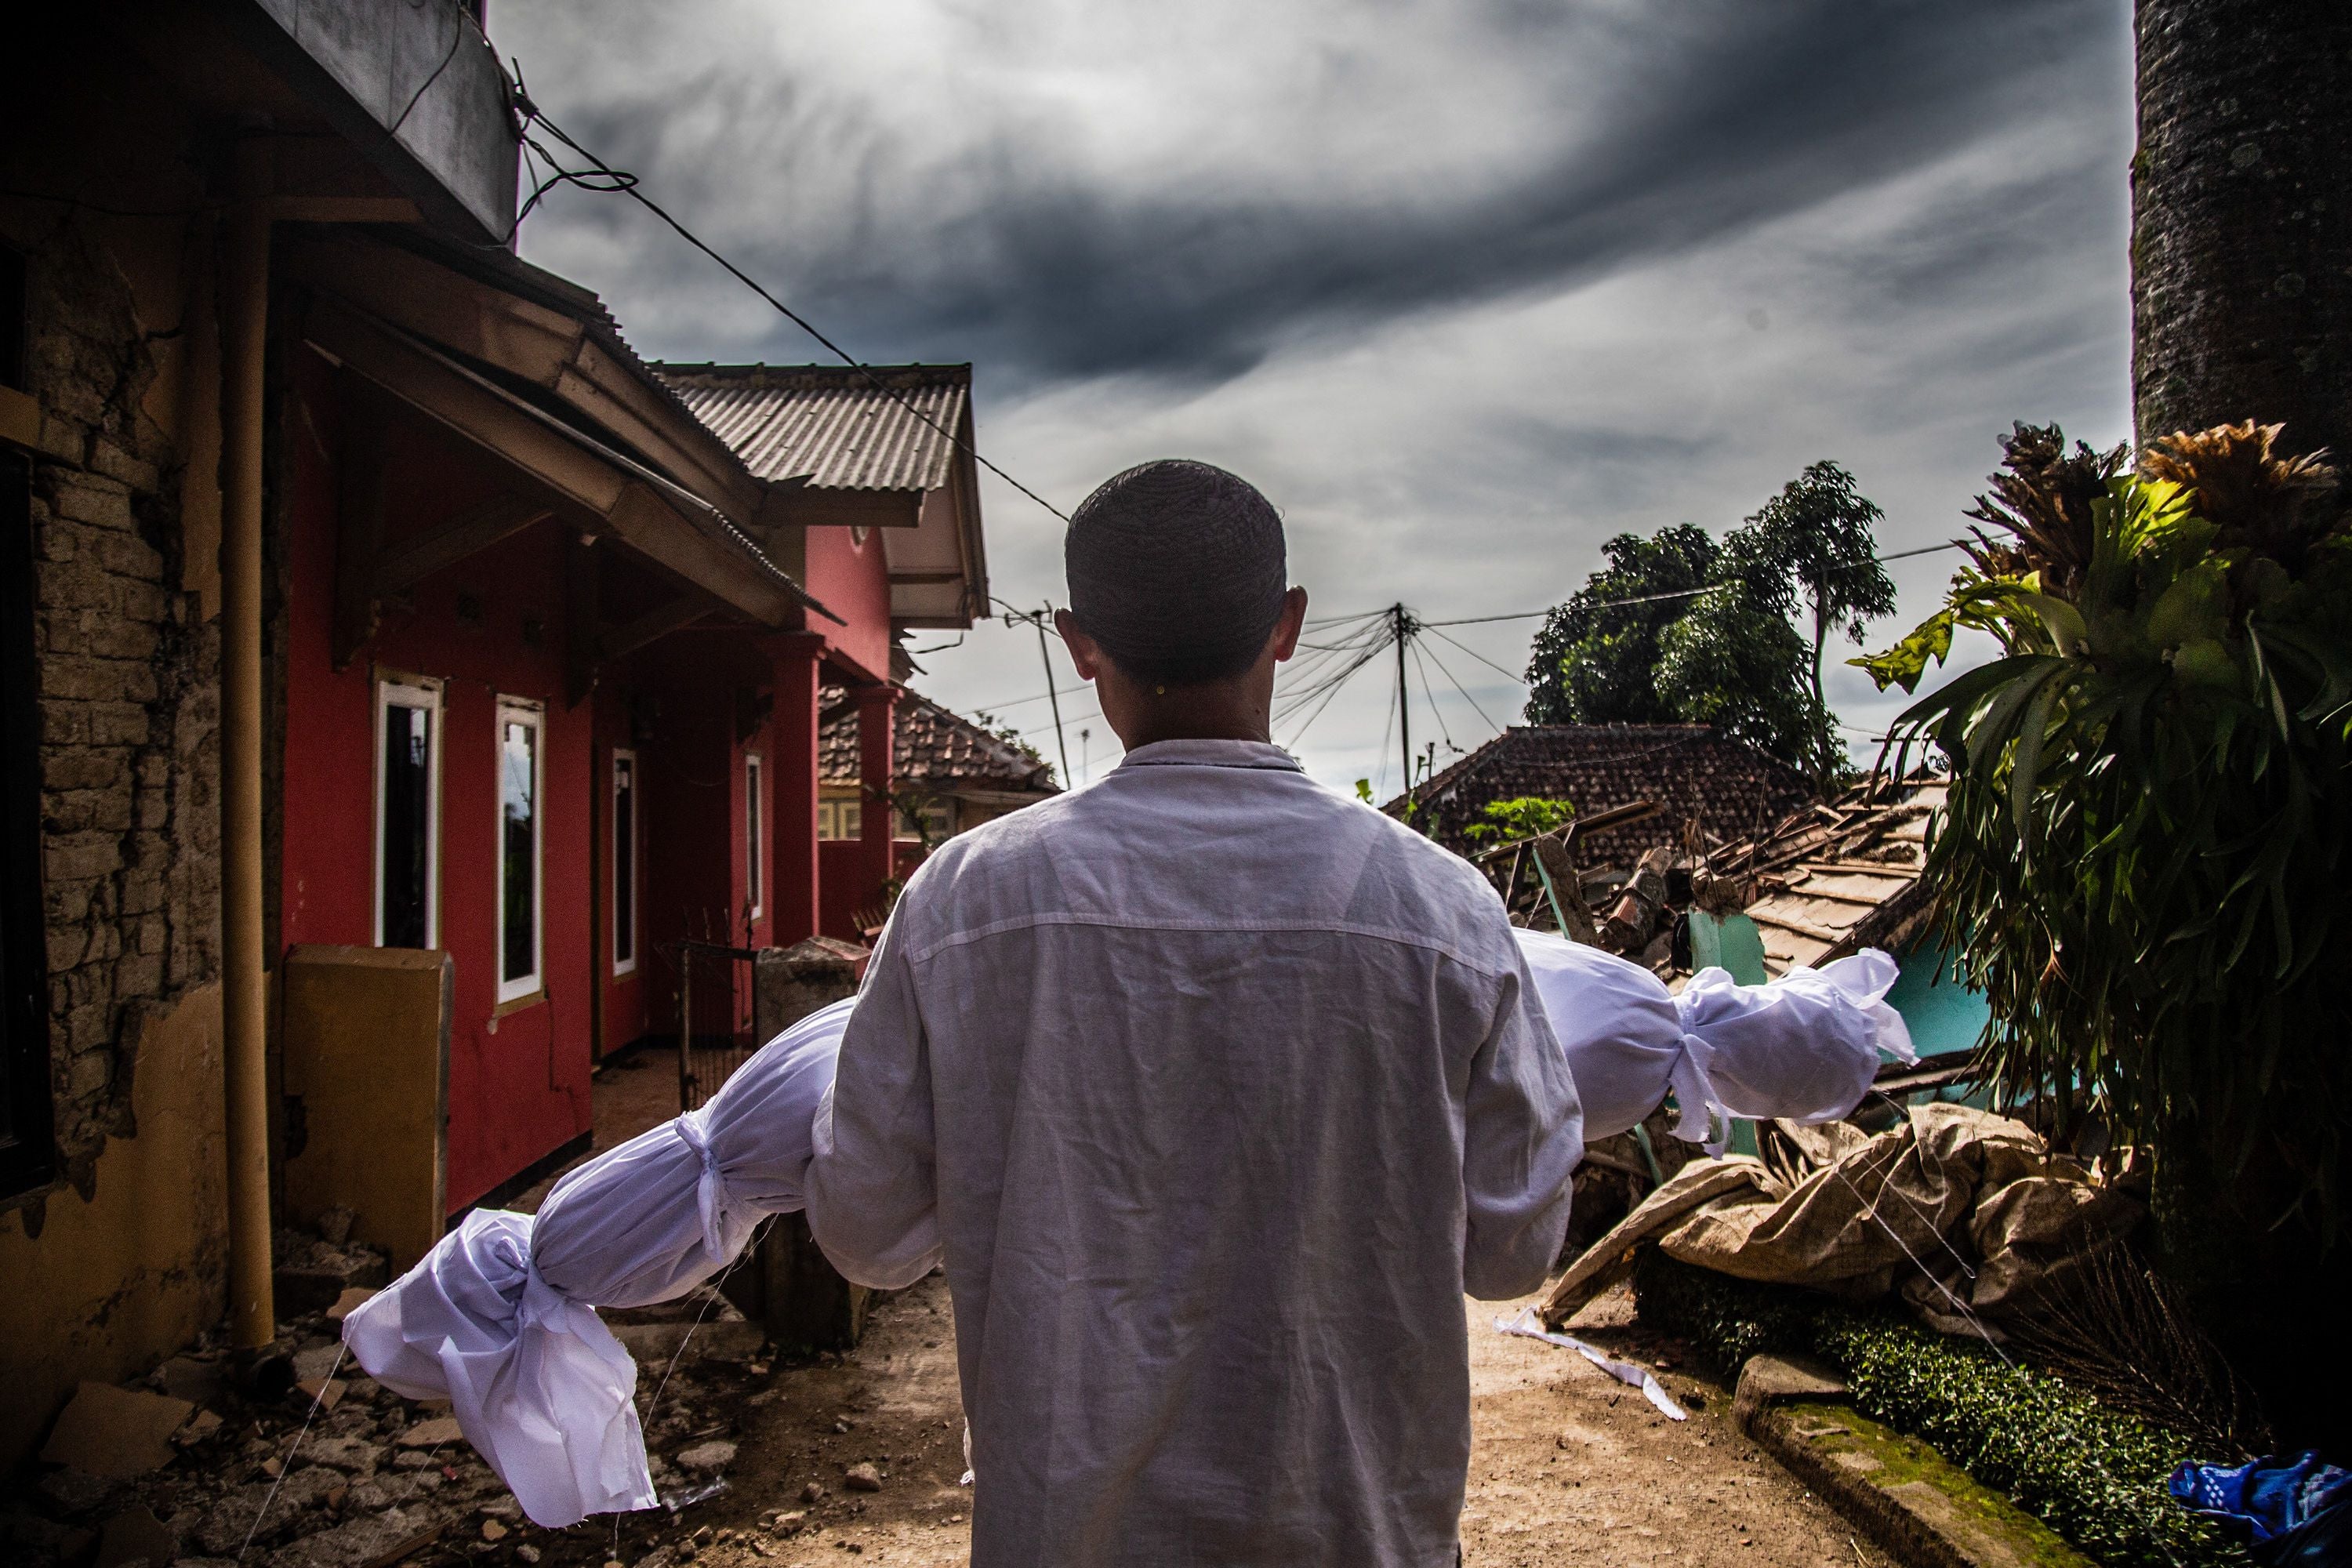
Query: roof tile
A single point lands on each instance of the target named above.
(1733, 789)
(930, 746)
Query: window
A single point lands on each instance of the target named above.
(753, 843)
(26, 1135)
(13, 302)
(624, 862)
(521, 782)
(407, 813)
(838, 819)
(933, 825)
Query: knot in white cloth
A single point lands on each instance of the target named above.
(1701, 1116)
(541, 1305)
(710, 1191)
(1804, 1048)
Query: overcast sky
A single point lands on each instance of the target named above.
(1466, 286)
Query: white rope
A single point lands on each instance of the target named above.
(286, 1465)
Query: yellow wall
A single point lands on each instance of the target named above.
(366, 1036)
(113, 1285)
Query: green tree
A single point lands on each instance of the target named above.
(1709, 635)
(1594, 658)
(1820, 533)
(1733, 660)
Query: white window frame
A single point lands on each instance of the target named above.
(755, 835)
(421, 692)
(521, 709)
(623, 754)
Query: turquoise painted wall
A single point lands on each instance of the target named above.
(1944, 1014)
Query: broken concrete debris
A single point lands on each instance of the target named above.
(135, 1535)
(433, 1433)
(318, 1361)
(707, 1456)
(365, 1481)
(349, 1302)
(313, 1273)
(108, 1431)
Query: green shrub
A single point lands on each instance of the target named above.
(2092, 1475)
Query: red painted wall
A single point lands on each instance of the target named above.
(519, 1077)
(853, 581)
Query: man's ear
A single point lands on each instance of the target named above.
(1286, 629)
(1084, 652)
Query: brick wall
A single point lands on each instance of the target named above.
(129, 686)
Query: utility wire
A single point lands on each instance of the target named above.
(1680, 592)
(1474, 653)
(1459, 686)
(620, 182)
(1430, 697)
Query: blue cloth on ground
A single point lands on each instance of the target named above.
(2266, 1499)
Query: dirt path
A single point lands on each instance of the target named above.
(1568, 1465)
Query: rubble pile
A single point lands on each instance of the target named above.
(308, 1463)
(1824, 881)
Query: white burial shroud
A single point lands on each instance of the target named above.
(499, 1319)
(1803, 1047)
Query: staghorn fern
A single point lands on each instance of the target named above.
(2142, 858)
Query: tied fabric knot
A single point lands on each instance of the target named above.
(543, 1306)
(710, 1196)
(1704, 1119)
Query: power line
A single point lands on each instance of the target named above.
(1430, 698)
(1459, 686)
(1041, 619)
(620, 182)
(1680, 592)
(1474, 653)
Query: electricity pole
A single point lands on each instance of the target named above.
(1060, 740)
(1404, 713)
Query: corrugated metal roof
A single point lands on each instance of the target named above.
(883, 428)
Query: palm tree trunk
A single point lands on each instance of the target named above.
(2242, 308)
(2241, 218)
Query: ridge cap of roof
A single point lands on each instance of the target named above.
(944, 370)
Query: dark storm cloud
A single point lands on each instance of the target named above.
(1677, 124)
(1467, 286)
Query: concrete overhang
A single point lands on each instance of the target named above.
(540, 329)
(416, 88)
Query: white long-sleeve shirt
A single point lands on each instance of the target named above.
(1214, 1091)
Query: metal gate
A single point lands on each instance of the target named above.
(718, 1007)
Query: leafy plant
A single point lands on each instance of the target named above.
(2093, 1475)
(1523, 816)
(2142, 856)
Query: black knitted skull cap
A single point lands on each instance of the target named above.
(1176, 569)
